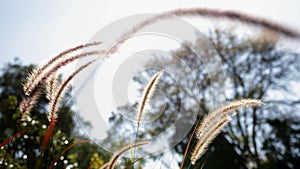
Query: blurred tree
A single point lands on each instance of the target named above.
(282, 147)
(194, 83)
(24, 150)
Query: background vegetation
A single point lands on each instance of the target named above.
(256, 67)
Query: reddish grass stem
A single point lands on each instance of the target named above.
(188, 145)
(6, 141)
(66, 149)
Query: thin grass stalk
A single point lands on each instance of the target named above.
(114, 159)
(6, 141)
(104, 166)
(147, 94)
(65, 150)
(188, 146)
(48, 134)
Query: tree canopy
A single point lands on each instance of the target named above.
(24, 149)
(243, 67)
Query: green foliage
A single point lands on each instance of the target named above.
(24, 151)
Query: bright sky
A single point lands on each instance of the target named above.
(35, 31)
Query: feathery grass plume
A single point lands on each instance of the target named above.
(51, 87)
(203, 143)
(59, 65)
(224, 111)
(147, 94)
(114, 159)
(213, 13)
(28, 103)
(36, 73)
(236, 16)
(54, 103)
(52, 114)
(213, 123)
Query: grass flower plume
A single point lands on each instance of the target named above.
(214, 122)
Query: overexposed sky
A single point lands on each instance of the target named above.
(35, 31)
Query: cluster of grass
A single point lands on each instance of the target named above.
(206, 130)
